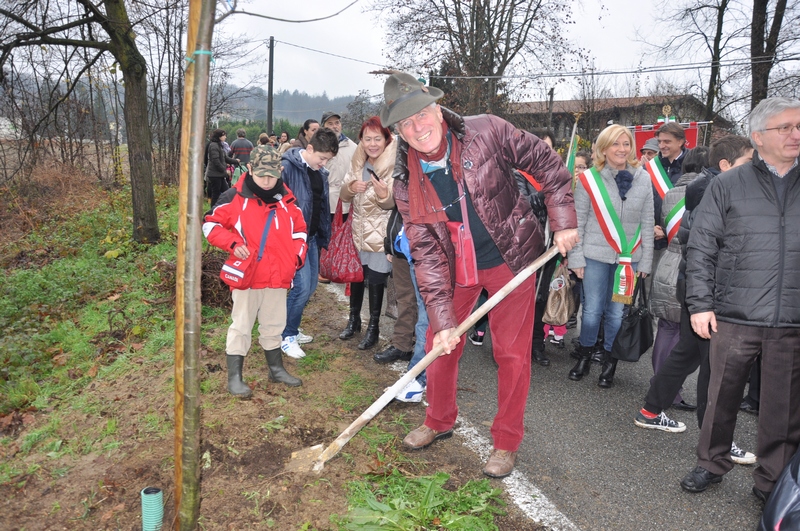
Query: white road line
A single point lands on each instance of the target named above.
(525, 494)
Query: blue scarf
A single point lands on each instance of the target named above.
(624, 181)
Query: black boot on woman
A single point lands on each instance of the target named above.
(356, 299)
(375, 303)
(607, 373)
(581, 368)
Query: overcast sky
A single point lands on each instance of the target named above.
(357, 35)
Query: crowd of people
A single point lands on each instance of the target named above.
(453, 207)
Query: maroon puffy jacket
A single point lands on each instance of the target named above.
(492, 148)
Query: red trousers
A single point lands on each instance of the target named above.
(511, 326)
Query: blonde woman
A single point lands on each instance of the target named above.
(621, 188)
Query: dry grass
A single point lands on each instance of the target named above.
(51, 191)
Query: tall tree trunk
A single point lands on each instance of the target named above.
(716, 56)
(140, 142)
(763, 46)
(187, 293)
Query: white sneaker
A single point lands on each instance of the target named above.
(291, 348)
(412, 392)
(741, 457)
(303, 339)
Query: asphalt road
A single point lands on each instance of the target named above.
(602, 472)
(585, 455)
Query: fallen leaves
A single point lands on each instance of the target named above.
(14, 422)
(108, 515)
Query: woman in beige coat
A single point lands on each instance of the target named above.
(368, 187)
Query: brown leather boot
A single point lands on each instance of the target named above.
(500, 464)
(423, 437)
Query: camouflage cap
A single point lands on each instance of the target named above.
(265, 162)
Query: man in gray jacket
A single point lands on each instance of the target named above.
(743, 292)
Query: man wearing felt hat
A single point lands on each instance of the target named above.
(649, 150)
(447, 165)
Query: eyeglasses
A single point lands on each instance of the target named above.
(783, 130)
(581, 167)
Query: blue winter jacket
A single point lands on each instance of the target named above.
(294, 173)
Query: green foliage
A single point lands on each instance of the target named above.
(80, 304)
(356, 393)
(275, 424)
(315, 361)
(254, 128)
(396, 502)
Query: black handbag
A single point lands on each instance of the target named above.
(635, 336)
(782, 510)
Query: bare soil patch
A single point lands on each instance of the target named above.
(93, 482)
(245, 445)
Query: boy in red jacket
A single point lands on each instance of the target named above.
(258, 220)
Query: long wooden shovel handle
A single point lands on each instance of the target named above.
(391, 392)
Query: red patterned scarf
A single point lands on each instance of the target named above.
(423, 201)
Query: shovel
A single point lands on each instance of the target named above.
(314, 458)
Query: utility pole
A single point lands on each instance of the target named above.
(269, 85)
(550, 109)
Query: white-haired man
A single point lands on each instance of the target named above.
(447, 165)
(742, 291)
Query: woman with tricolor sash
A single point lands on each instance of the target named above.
(664, 302)
(614, 203)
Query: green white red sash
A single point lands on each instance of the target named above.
(658, 176)
(610, 224)
(674, 218)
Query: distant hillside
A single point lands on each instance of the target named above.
(294, 106)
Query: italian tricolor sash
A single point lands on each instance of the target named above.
(674, 218)
(658, 176)
(611, 226)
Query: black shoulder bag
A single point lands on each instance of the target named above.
(635, 336)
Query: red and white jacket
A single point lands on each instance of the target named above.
(239, 218)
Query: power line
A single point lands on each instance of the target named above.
(243, 12)
(329, 53)
(642, 70)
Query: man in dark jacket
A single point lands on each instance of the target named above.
(672, 149)
(691, 351)
(742, 286)
(447, 165)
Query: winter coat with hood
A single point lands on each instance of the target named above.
(664, 301)
(218, 161)
(337, 168)
(635, 211)
(743, 255)
(491, 148)
(295, 174)
(239, 218)
(370, 214)
(694, 194)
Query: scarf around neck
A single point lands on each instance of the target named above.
(423, 202)
(273, 195)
